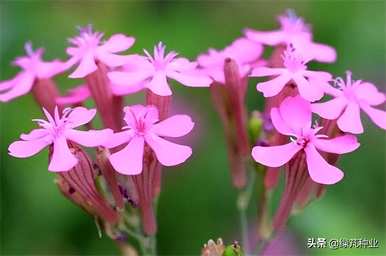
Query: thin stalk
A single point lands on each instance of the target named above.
(243, 201)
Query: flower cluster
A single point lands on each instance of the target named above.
(133, 144)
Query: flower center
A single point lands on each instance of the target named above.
(292, 61)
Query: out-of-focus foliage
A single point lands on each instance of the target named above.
(197, 201)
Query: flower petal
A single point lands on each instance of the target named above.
(118, 43)
(322, 52)
(296, 113)
(309, 91)
(275, 156)
(190, 78)
(90, 138)
(111, 59)
(76, 95)
(62, 159)
(174, 126)
(338, 145)
(269, 38)
(121, 90)
(264, 71)
(274, 86)
(22, 84)
(23, 149)
(79, 116)
(168, 153)
(320, 171)
(34, 134)
(128, 78)
(279, 123)
(330, 109)
(350, 120)
(159, 84)
(86, 66)
(7, 84)
(128, 161)
(376, 115)
(369, 93)
(119, 138)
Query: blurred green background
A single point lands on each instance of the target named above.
(197, 201)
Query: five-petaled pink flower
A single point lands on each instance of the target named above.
(293, 118)
(350, 97)
(293, 30)
(295, 69)
(153, 71)
(143, 126)
(33, 67)
(244, 52)
(56, 131)
(88, 48)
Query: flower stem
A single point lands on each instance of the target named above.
(243, 201)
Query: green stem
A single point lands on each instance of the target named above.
(243, 201)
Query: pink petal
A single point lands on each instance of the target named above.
(323, 53)
(275, 156)
(168, 153)
(86, 66)
(193, 79)
(129, 160)
(23, 83)
(34, 134)
(50, 69)
(376, 115)
(90, 138)
(76, 95)
(119, 138)
(308, 91)
(264, 71)
(243, 50)
(338, 145)
(79, 116)
(128, 78)
(5, 85)
(279, 123)
(62, 159)
(369, 93)
(269, 38)
(274, 86)
(296, 113)
(318, 75)
(159, 84)
(330, 109)
(320, 171)
(174, 126)
(23, 149)
(112, 60)
(350, 120)
(118, 43)
(121, 90)
(181, 64)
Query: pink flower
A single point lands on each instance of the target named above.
(88, 48)
(57, 131)
(143, 126)
(293, 118)
(153, 72)
(351, 97)
(243, 51)
(75, 96)
(33, 67)
(295, 69)
(294, 31)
